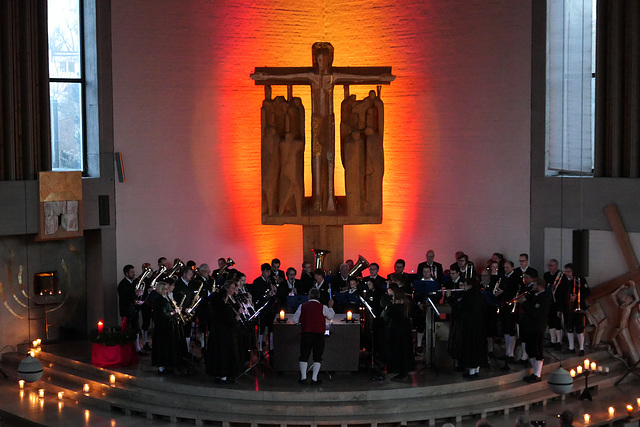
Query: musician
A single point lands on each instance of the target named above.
(468, 308)
(421, 289)
(202, 277)
(399, 339)
(276, 273)
(528, 284)
(246, 339)
(162, 261)
(523, 261)
(129, 304)
(289, 288)
(499, 258)
(348, 298)
(222, 359)
(311, 315)
(553, 279)
(455, 276)
(323, 286)
(435, 267)
(467, 269)
(341, 283)
(306, 278)
(224, 271)
(510, 285)
(491, 316)
(576, 293)
(400, 275)
(534, 320)
(373, 276)
(263, 292)
(168, 339)
(183, 294)
(145, 309)
(221, 267)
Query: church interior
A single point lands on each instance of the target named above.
(171, 167)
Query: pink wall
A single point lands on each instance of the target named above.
(187, 117)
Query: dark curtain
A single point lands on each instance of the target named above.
(617, 126)
(25, 147)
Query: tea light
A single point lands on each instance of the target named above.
(587, 418)
(41, 392)
(586, 363)
(39, 341)
(281, 314)
(85, 388)
(21, 384)
(32, 353)
(606, 369)
(349, 315)
(611, 412)
(60, 395)
(579, 370)
(599, 368)
(60, 405)
(34, 344)
(572, 373)
(593, 366)
(630, 411)
(112, 379)
(638, 400)
(86, 415)
(100, 326)
(21, 394)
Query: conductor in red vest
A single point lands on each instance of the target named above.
(312, 316)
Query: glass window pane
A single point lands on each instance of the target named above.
(66, 126)
(64, 39)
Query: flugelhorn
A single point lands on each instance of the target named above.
(139, 283)
(156, 276)
(496, 287)
(359, 266)
(177, 265)
(319, 255)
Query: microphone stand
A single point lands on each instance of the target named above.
(432, 337)
(371, 338)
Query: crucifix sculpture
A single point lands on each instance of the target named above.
(283, 145)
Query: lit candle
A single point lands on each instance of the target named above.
(21, 394)
(587, 418)
(59, 292)
(21, 384)
(60, 395)
(586, 363)
(60, 405)
(39, 341)
(349, 315)
(630, 411)
(112, 379)
(86, 415)
(32, 353)
(85, 388)
(281, 314)
(41, 392)
(100, 326)
(611, 412)
(579, 369)
(593, 366)
(573, 373)
(638, 400)
(34, 343)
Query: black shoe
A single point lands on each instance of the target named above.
(146, 347)
(492, 356)
(142, 353)
(303, 382)
(419, 350)
(511, 359)
(570, 351)
(581, 353)
(528, 378)
(316, 383)
(558, 346)
(533, 379)
(550, 344)
(524, 362)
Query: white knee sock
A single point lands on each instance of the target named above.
(507, 345)
(512, 346)
(260, 338)
(303, 370)
(137, 342)
(144, 337)
(537, 367)
(570, 339)
(524, 355)
(419, 339)
(316, 370)
(581, 340)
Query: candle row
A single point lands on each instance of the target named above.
(588, 366)
(612, 412)
(85, 387)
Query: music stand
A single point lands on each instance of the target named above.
(373, 317)
(431, 326)
(259, 360)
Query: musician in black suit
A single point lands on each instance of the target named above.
(145, 310)
(399, 275)
(378, 281)
(524, 267)
(128, 302)
(436, 268)
(323, 285)
(533, 324)
(467, 268)
(306, 278)
(276, 273)
(341, 281)
(183, 294)
(263, 293)
(289, 290)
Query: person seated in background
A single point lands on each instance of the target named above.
(398, 270)
(322, 285)
(435, 267)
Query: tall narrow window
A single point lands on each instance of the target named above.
(66, 83)
(570, 87)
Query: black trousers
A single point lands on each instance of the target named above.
(534, 340)
(574, 322)
(555, 321)
(311, 341)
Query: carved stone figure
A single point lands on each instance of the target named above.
(270, 170)
(291, 175)
(353, 162)
(374, 171)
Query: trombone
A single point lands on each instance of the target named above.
(578, 308)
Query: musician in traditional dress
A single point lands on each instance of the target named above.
(576, 293)
(129, 304)
(470, 308)
(169, 347)
(553, 278)
(311, 315)
(399, 338)
(535, 305)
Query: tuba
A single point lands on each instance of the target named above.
(156, 276)
(177, 265)
(228, 263)
(319, 255)
(359, 266)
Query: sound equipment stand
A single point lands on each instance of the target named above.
(433, 310)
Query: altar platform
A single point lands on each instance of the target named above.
(264, 397)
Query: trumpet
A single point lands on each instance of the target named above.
(496, 288)
(177, 265)
(139, 283)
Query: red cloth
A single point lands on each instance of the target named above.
(312, 318)
(116, 356)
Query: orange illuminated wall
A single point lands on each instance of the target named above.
(187, 120)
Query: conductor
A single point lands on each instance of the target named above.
(311, 315)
